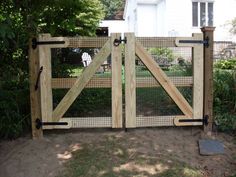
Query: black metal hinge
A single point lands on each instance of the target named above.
(39, 123)
(117, 42)
(204, 120)
(35, 43)
(205, 42)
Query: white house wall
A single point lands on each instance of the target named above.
(174, 18)
(225, 11)
(114, 26)
(178, 18)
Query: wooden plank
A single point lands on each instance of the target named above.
(177, 123)
(165, 82)
(195, 37)
(157, 41)
(34, 94)
(146, 82)
(141, 82)
(45, 79)
(87, 42)
(198, 78)
(208, 77)
(95, 82)
(116, 83)
(130, 82)
(49, 38)
(84, 122)
(81, 82)
(152, 121)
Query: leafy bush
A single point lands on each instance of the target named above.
(226, 64)
(225, 99)
(162, 53)
(14, 108)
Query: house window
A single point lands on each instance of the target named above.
(202, 13)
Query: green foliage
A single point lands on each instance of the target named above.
(91, 102)
(111, 7)
(165, 53)
(226, 64)
(21, 20)
(14, 108)
(225, 99)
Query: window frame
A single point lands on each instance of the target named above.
(206, 2)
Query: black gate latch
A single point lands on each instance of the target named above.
(117, 42)
(204, 120)
(39, 123)
(35, 43)
(205, 42)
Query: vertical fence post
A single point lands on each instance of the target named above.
(130, 82)
(116, 59)
(34, 91)
(208, 33)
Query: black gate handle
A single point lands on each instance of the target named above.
(37, 81)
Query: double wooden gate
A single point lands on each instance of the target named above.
(44, 116)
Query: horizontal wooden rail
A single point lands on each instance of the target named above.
(95, 82)
(141, 82)
(151, 121)
(87, 42)
(157, 41)
(151, 82)
(83, 122)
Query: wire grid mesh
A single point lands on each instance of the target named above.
(224, 50)
(92, 42)
(151, 99)
(95, 98)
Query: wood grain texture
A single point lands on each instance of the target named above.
(130, 82)
(45, 79)
(81, 82)
(198, 78)
(152, 121)
(157, 41)
(87, 42)
(208, 77)
(116, 83)
(141, 82)
(34, 94)
(165, 82)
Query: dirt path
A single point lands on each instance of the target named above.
(25, 157)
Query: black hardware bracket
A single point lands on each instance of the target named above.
(204, 120)
(39, 123)
(205, 42)
(117, 42)
(35, 43)
(38, 77)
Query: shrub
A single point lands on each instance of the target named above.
(14, 108)
(163, 53)
(225, 99)
(226, 64)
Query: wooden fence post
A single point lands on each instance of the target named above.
(208, 33)
(34, 92)
(130, 82)
(116, 61)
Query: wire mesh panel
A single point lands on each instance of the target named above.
(92, 107)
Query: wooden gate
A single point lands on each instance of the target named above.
(191, 115)
(44, 116)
